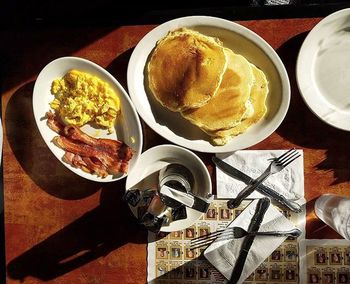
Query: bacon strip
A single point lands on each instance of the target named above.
(82, 149)
(107, 145)
(97, 168)
(98, 156)
(76, 161)
(53, 123)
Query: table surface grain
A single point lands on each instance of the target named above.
(61, 228)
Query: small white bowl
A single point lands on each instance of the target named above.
(128, 126)
(145, 175)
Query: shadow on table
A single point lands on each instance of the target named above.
(33, 154)
(26, 50)
(305, 129)
(95, 234)
(119, 67)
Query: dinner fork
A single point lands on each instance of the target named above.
(275, 166)
(236, 233)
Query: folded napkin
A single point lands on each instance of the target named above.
(222, 254)
(289, 181)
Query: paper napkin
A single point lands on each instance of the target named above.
(223, 254)
(289, 181)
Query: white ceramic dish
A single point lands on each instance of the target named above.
(127, 129)
(241, 40)
(145, 175)
(323, 69)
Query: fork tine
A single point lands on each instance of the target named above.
(226, 235)
(216, 233)
(211, 235)
(287, 158)
(205, 242)
(284, 164)
(210, 241)
(286, 155)
(282, 156)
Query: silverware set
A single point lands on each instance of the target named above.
(267, 191)
(275, 166)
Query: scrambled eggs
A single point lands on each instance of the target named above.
(81, 98)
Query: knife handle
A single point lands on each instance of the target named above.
(291, 205)
(295, 233)
(233, 203)
(260, 210)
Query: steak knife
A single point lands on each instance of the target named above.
(237, 174)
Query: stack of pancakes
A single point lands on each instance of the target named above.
(214, 88)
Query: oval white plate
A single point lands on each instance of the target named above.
(127, 129)
(323, 69)
(145, 175)
(241, 40)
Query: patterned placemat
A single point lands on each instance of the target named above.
(325, 261)
(170, 260)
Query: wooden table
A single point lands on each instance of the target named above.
(61, 228)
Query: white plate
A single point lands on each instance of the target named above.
(323, 69)
(145, 175)
(127, 129)
(241, 40)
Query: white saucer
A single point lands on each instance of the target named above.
(323, 69)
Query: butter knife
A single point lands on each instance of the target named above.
(190, 200)
(261, 208)
(237, 174)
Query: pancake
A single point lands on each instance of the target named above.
(257, 98)
(230, 105)
(186, 69)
